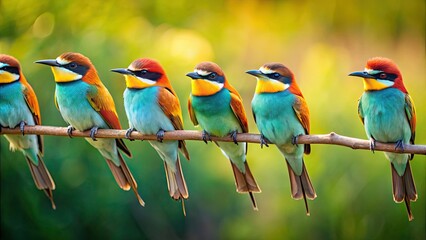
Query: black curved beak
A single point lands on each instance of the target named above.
(49, 62)
(362, 74)
(194, 75)
(122, 71)
(255, 73)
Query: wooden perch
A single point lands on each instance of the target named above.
(331, 139)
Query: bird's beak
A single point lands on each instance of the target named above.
(49, 62)
(194, 75)
(362, 74)
(123, 71)
(255, 73)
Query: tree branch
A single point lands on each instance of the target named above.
(331, 139)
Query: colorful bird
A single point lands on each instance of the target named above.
(152, 107)
(85, 103)
(218, 108)
(281, 114)
(19, 107)
(389, 116)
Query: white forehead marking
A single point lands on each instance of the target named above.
(62, 61)
(265, 70)
(2, 64)
(202, 72)
(146, 80)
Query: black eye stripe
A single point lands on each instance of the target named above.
(10, 69)
(389, 76)
(154, 76)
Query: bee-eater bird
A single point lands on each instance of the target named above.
(19, 107)
(218, 108)
(281, 114)
(389, 116)
(85, 103)
(152, 107)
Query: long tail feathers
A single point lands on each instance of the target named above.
(176, 183)
(301, 186)
(246, 183)
(124, 177)
(42, 178)
(404, 188)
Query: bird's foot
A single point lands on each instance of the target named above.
(129, 132)
(160, 135)
(234, 136)
(69, 130)
(93, 133)
(399, 145)
(294, 139)
(22, 127)
(206, 136)
(263, 141)
(372, 144)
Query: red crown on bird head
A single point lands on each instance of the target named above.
(388, 66)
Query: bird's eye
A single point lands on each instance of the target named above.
(144, 72)
(276, 75)
(383, 75)
(212, 75)
(73, 65)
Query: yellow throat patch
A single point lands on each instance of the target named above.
(373, 84)
(7, 77)
(64, 75)
(270, 86)
(201, 87)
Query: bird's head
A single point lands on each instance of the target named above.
(207, 79)
(70, 67)
(143, 73)
(380, 73)
(273, 77)
(10, 69)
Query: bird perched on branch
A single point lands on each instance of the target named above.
(152, 107)
(85, 103)
(19, 107)
(389, 116)
(218, 108)
(281, 114)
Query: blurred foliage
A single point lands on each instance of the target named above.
(321, 41)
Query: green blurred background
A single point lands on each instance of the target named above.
(321, 41)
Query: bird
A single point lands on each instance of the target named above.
(281, 115)
(152, 107)
(85, 103)
(218, 109)
(388, 114)
(19, 107)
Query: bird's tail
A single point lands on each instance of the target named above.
(404, 188)
(42, 178)
(176, 183)
(124, 177)
(301, 186)
(245, 182)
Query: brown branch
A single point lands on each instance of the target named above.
(331, 139)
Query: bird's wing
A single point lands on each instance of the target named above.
(238, 108)
(360, 112)
(302, 112)
(102, 102)
(410, 112)
(170, 105)
(191, 112)
(31, 100)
